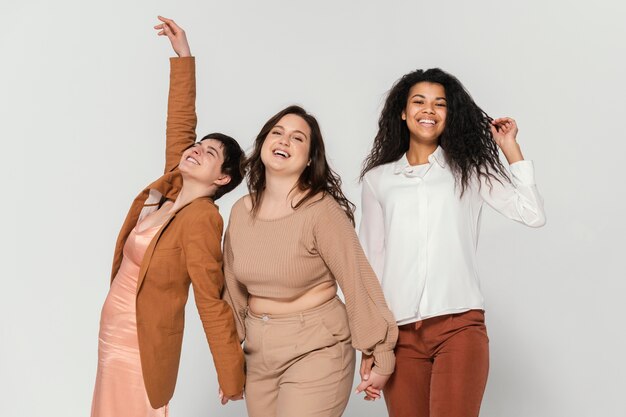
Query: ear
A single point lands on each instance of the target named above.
(223, 180)
(403, 115)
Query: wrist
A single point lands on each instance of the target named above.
(512, 152)
(183, 53)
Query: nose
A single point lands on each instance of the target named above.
(284, 140)
(429, 109)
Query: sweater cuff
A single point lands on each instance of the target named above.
(384, 362)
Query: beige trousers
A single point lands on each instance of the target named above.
(299, 365)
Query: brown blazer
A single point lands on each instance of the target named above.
(186, 250)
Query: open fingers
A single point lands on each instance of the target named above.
(161, 29)
(173, 26)
(164, 29)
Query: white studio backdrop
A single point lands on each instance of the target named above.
(83, 89)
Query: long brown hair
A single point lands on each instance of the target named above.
(317, 177)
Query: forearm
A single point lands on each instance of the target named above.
(512, 152)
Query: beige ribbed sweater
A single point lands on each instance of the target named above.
(282, 258)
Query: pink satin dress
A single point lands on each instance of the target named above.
(120, 390)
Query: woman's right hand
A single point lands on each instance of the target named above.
(175, 34)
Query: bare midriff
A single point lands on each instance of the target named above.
(312, 298)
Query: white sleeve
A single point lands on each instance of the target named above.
(372, 229)
(519, 200)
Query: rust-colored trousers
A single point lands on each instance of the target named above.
(441, 367)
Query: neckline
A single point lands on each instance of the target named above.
(145, 230)
(276, 219)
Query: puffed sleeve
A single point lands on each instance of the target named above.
(372, 325)
(202, 248)
(519, 199)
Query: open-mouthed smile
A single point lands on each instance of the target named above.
(281, 153)
(192, 160)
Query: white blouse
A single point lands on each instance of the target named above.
(421, 237)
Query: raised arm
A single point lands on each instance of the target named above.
(519, 200)
(181, 104)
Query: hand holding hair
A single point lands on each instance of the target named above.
(175, 34)
(504, 131)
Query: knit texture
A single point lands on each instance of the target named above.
(283, 258)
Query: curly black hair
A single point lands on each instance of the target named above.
(318, 177)
(466, 139)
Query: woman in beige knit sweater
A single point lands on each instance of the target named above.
(287, 246)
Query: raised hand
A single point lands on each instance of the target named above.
(504, 131)
(175, 34)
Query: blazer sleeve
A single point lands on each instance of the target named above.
(373, 327)
(202, 248)
(181, 110)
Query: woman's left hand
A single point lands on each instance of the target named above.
(225, 398)
(371, 382)
(504, 131)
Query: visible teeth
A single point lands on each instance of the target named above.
(432, 122)
(190, 159)
(281, 153)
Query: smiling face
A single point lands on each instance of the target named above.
(286, 147)
(203, 163)
(425, 111)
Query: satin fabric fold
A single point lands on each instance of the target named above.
(120, 389)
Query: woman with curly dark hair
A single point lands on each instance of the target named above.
(287, 246)
(434, 162)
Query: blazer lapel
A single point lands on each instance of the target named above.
(150, 250)
(147, 257)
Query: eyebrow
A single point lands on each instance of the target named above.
(422, 96)
(296, 131)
